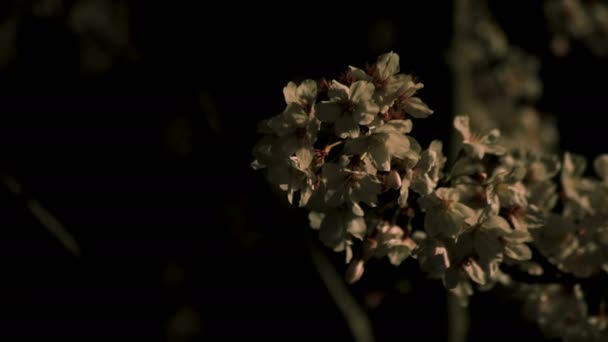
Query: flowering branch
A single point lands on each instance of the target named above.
(496, 208)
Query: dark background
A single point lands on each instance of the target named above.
(147, 165)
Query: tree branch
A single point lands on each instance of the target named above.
(458, 316)
(355, 316)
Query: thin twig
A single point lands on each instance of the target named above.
(355, 316)
(458, 319)
(44, 216)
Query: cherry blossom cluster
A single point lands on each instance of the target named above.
(585, 21)
(344, 148)
(344, 151)
(504, 86)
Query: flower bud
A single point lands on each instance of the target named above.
(354, 271)
(369, 248)
(393, 180)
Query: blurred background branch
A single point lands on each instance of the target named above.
(43, 215)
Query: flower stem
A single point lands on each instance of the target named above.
(329, 147)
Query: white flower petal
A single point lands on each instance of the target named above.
(381, 157)
(423, 185)
(356, 226)
(315, 218)
(414, 145)
(398, 145)
(368, 190)
(400, 252)
(409, 87)
(365, 113)
(518, 237)
(440, 223)
(307, 92)
(333, 230)
(359, 74)
(257, 165)
(465, 167)
(279, 125)
(475, 272)
(487, 246)
(346, 127)
(461, 123)
(498, 225)
(393, 180)
(600, 164)
(356, 146)
(305, 195)
(361, 91)
(294, 115)
(428, 158)
(475, 150)
(289, 92)
(465, 213)
(416, 108)
(495, 149)
(305, 156)
(387, 65)
(401, 126)
(332, 174)
(404, 191)
(518, 252)
(354, 271)
(357, 210)
(328, 111)
(443, 252)
(338, 91)
(334, 197)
